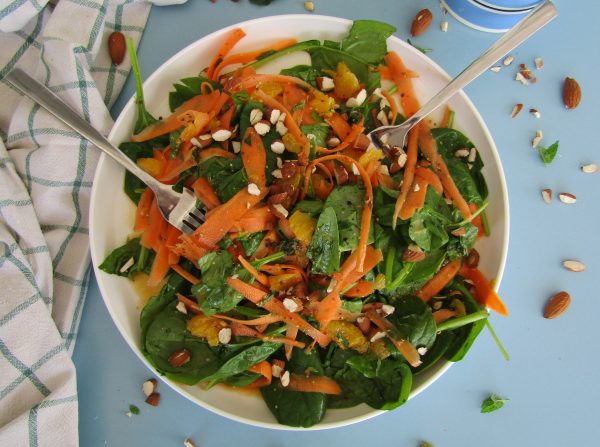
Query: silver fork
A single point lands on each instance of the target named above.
(387, 137)
(179, 209)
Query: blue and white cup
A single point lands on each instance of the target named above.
(494, 16)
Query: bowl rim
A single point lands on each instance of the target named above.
(180, 388)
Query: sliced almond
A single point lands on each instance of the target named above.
(539, 63)
(189, 443)
(472, 258)
(496, 68)
(508, 60)
(535, 113)
(149, 387)
(255, 116)
(547, 195)
(557, 305)
(522, 79)
(590, 168)
(574, 266)
(516, 109)
(444, 26)
(567, 198)
(538, 137)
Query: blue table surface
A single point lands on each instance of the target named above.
(552, 376)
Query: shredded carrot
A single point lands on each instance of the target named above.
(160, 266)
(258, 218)
(185, 274)
(289, 123)
(275, 306)
(393, 106)
(355, 131)
(254, 157)
(339, 125)
(233, 38)
(156, 225)
(171, 174)
(429, 148)
(264, 369)
(314, 384)
(214, 152)
(200, 103)
(260, 277)
(439, 280)
(205, 192)
(143, 210)
(291, 333)
(360, 290)
(265, 319)
(415, 198)
(217, 225)
(446, 117)
(484, 293)
(244, 58)
(431, 178)
(254, 80)
(409, 173)
(403, 79)
(190, 305)
(442, 315)
(409, 352)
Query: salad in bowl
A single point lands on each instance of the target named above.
(326, 274)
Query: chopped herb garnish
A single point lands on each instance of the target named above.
(548, 153)
(493, 403)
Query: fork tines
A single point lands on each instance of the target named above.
(194, 219)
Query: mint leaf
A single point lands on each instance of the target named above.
(493, 403)
(134, 410)
(548, 153)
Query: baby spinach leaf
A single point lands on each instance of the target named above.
(348, 202)
(158, 303)
(251, 241)
(226, 176)
(294, 408)
(449, 141)
(167, 334)
(382, 384)
(436, 352)
(414, 321)
(120, 256)
(187, 88)
(215, 266)
(327, 58)
(547, 154)
(493, 403)
(133, 186)
(324, 248)
(242, 361)
(312, 207)
(307, 73)
(367, 40)
(417, 274)
(459, 246)
(318, 131)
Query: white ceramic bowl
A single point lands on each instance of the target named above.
(112, 212)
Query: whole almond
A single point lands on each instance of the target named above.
(571, 93)
(557, 305)
(179, 358)
(421, 22)
(116, 47)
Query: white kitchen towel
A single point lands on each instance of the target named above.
(46, 174)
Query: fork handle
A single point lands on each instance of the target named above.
(511, 39)
(42, 95)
